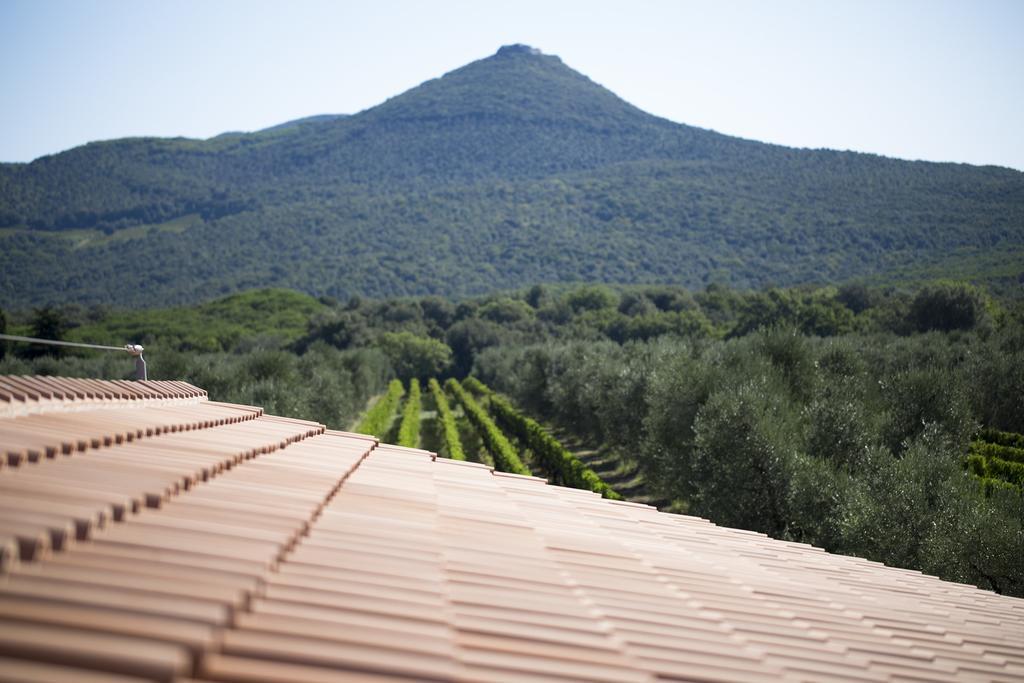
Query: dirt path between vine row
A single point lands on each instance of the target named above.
(623, 476)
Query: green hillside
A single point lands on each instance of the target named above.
(271, 315)
(512, 169)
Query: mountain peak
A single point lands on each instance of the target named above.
(517, 49)
(520, 83)
(520, 50)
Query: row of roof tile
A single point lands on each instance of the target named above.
(42, 394)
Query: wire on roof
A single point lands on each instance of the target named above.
(134, 349)
(57, 342)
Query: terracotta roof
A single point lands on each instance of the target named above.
(147, 533)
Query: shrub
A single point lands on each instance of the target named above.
(505, 457)
(476, 386)
(414, 356)
(902, 499)
(947, 306)
(979, 538)
(563, 467)
(591, 298)
(742, 457)
(379, 418)
(452, 445)
(995, 450)
(1011, 472)
(918, 398)
(409, 431)
(1008, 439)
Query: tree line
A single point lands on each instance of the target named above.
(857, 444)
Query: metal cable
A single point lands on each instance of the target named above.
(54, 342)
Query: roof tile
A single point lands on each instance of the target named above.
(318, 555)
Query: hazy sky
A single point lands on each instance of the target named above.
(942, 81)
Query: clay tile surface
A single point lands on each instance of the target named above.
(150, 534)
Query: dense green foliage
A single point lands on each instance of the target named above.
(995, 450)
(268, 317)
(994, 436)
(562, 467)
(415, 357)
(988, 468)
(512, 169)
(855, 443)
(947, 306)
(378, 419)
(477, 387)
(438, 335)
(997, 459)
(451, 444)
(505, 457)
(409, 430)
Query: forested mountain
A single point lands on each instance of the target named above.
(509, 170)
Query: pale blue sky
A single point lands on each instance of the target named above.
(941, 81)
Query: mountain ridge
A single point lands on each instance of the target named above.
(507, 51)
(488, 176)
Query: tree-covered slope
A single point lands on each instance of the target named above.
(513, 168)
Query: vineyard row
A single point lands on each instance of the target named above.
(450, 430)
(379, 418)
(562, 467)
(409, 430)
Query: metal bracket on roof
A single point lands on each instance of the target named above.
(140, 362)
